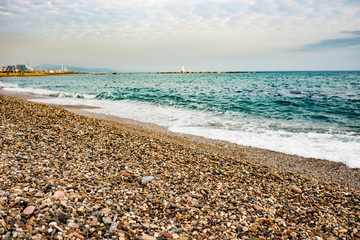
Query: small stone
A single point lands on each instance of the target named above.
(147, 237)
(194, 202)
(147, 179)
(29, 210)
(73, 225)
(45, 230)
(94, 222)
(257, 207)
(63, 203)
(59, 195)
(113, 227)
(63, 217)
(78, 235)
(343, 230)
(55, 225)
(105, 211)
(331, 238)
(183, 238)
(39, 194)
(277, 175)
(167, 235)
(107, 220)
(20, 223)
(2, 222)
(296, 189)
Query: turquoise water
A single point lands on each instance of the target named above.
(312, 114)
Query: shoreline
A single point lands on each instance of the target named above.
(322, 168)
(64, 175)
(37, 74)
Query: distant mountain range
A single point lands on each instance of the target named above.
(46, 67)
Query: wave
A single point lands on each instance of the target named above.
(277, 135)
(13, 87)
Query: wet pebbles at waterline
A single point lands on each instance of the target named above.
(64, 176)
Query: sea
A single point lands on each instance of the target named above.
(308, 113)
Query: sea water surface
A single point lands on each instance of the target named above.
(311, 114)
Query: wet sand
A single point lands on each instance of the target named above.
(65, 175)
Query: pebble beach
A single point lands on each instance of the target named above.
(68, 176)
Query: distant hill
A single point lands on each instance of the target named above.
(45, 67)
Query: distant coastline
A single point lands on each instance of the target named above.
(34, 74)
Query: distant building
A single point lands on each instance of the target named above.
(11, 68)
(17, 68)
(21, 68)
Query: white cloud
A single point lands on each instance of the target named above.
(198, 27)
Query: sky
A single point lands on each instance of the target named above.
(163, 35)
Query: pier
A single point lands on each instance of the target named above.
(206, 72)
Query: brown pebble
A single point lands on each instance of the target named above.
(343, 230)
(147, 237)
(167, 235)
(331, 238)
(277, 176)
(94, 222)
(29, 210)
(78, 235)
(20, 223)
(296, 189)
(256, 207)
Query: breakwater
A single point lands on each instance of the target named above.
(206, 72)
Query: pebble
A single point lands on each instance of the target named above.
(86, 178)
(147, 237)
(73, 225)
(77, 235)
(59, 195)
(147, 179)
(107, 220)
(29, 210)
(167, 235)
(296, 189)
(39, 194)
(113, 227)
(94, 222)
(257, 207)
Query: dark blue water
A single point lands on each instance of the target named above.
(314, 114)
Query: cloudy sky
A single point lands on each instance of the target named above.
(162, 35)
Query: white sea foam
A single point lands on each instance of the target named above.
(42, 92)
(242, 130)
(9, 85)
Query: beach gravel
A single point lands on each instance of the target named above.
(66, 176)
